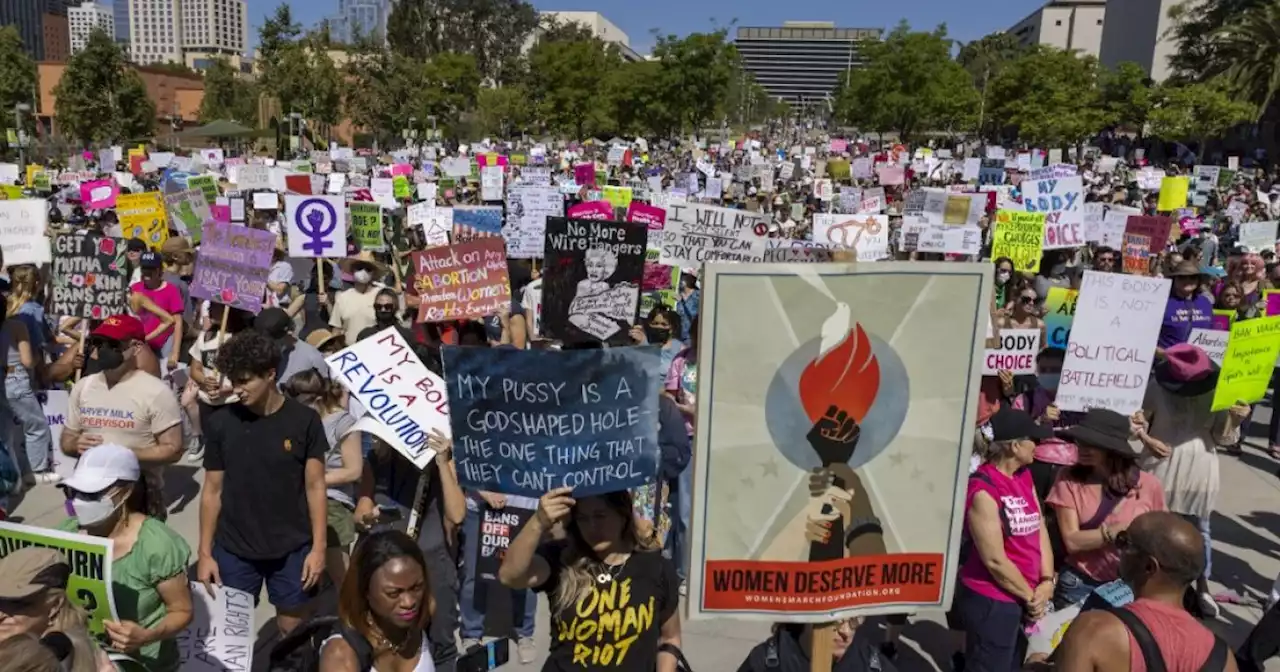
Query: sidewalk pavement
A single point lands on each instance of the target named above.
(1246, 542)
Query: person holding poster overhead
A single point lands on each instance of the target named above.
(614, 599)
(1180, 434)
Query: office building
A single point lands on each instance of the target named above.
(801, 62)
(86, 18)
(1138, 31)
(213, 29)
(42, 25)
(600, 27)
(120, 13)
(155, 31)
(365, 18)
(1074, 25)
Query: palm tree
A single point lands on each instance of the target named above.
(1250, 48)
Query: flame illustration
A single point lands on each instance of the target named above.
(847, 376)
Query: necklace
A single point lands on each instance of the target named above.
(611, 572)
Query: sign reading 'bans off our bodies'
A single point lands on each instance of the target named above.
(1113, 340)
(529, 421)
(463, 281)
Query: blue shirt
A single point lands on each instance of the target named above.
(688, 309)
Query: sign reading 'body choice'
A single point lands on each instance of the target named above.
(529, 421)
(1016, 353)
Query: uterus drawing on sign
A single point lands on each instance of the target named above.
(599, 307)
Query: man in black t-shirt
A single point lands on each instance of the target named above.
(262, 509)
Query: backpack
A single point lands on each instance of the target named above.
(300, 650)
(1151, 655)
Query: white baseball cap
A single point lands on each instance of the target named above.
(102, 466)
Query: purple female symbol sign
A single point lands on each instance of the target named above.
(317, 225)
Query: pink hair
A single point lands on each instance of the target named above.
(1258, 263)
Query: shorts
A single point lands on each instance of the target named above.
(341, 525)
(283, 576)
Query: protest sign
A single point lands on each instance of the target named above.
(584, 174)
(1143, 237)
(1252, 351)
(462, 281)
(88, 277)
(1020, 237)
(22, 232)
(502, 607)
(1113, 340)
(1271, 302)
(472, 222)
(316, 225)
(1060, 313)
(591, 210)
(617, 197)
(89, 586)
(55, 403)
(366, 226)
(1173, 193)
(591, 278)
(528, 208)
(142, 216)
(188, 211)
(1212, 341)
(253, 177)
(232, 266)
(491, 183)
(221, 634)
(1062, 201)
(694, 234)
(1258, 236)
(99, 194)
(208, 184)
(436, 223)
(1015, 352)
(657, 277)
(528, 421)
(868, 235)
(397, 390)
(790, 354)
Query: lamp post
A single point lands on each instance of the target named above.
(294, 118)
(18, 111)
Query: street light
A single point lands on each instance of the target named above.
(18, 111)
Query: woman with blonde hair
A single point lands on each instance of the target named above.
(1250, 272)
(343, 465)
(26, 335)
(605, 571)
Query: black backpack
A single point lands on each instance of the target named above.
(1216, 662)
(300, 650)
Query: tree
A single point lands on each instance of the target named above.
(909, 84)
(984, 59)
(1050, 98)
(503, 110)
(227, 95)
(563, 77)
(696, 72)
(1197, 112)
(175, 68)
(1249, 47)
(99, 98)
(1197, 29)
(636, 100)
(1126, 93)
(17, 72)
(493, 32)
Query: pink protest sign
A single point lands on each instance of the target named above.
(221, 213)
(99, 194)
(401, 169)
(651, 216)
(656, 276)
(1273, 302)
(584, 174)
(591, 210)
(491, 159)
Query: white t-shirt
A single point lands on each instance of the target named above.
(425, 663)
(205, 351)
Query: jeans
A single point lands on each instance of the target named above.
(524, 603)
(1202, 524)
(677, 545)
(1073, 587)
(32, 425)
(994, 639)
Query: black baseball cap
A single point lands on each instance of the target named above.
(274, 322)
(135, 245)
(150, 260)
(1010, 424)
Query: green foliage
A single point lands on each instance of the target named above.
(1198, 28)
(386, 89)
(1050, 98)
(563, 78)
(173, 68)
(696, 70)
(504, 111)
(1197, 111)
(984, 58)
(1126, 93)
(492, 32)
(100, 99)
(228, 96)
(298, 69)
(1248, 49)
(17, 73)
(908, 84)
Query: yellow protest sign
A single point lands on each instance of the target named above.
(142, 216)
(10, 192)
(32, 169)
(1248, 363)
(956, 211)
(619, 197)
(1020, 237)
(838, 169)
(1173, 194)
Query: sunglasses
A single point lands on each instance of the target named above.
(19, 605)
(384, 308)
(1028, 299)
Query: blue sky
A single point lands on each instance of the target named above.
(966, 19)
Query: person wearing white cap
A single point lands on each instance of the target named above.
(150, 559)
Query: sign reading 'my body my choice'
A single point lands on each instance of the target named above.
(1062, 201)
(529, 421)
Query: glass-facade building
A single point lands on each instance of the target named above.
(801, 62)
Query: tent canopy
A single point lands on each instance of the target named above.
(221, 128)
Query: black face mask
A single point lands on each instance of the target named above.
(384, 318)
(110, 357)
(657, 335)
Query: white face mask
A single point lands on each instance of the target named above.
(1003, 277)
(90, 513)
(362, 276)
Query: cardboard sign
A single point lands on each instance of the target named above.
(221, 634)
(142, 216)
(591, 279)
(695, 234)
(528, 207)
(232, 266)
(462, 281)
(867, 235)
(22, 232)
(88, 278)
(366, 226)
(89, 586)
(1016, 353)
(1252, 351)
(1113, 342)
(1212, 341)
(189, 210)
(397, 390)
(528, 421)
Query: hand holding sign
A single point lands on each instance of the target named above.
(555, 507)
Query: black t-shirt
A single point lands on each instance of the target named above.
(263, 459)
(616, 625)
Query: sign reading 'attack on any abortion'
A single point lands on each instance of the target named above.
(528, 421)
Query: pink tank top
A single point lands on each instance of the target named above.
(1016, 498)
(1185, 643)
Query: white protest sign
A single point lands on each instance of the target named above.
(266, 200)
(337, 183)
(1062, 201)
(867, 234)
(1016, 353)
(528, 208)
(221, 634)
(22, 227)
(253, 177)
(694, 234)
(491, 183)
(1113, 342)
(397, 390)
(1258, 236)
(1111, 229)
(55, 404)
(317, 225)
(383, 190)
(427, 191)
(972, 167)
(1212, 341)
